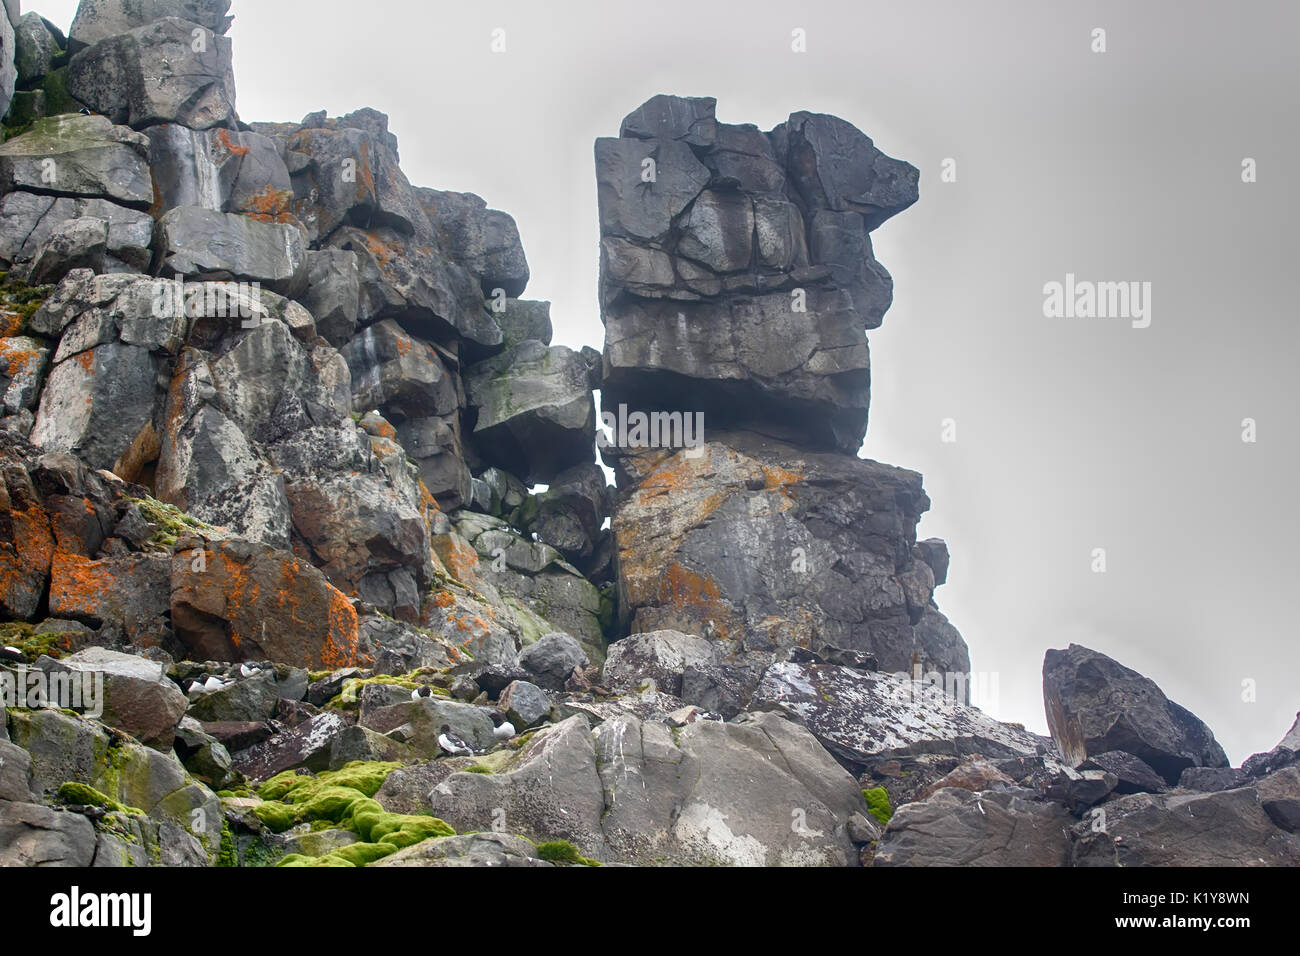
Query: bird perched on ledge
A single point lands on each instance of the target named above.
(452, 745)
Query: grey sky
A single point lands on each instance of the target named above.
(1071, 434)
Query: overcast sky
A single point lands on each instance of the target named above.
(1072, 434)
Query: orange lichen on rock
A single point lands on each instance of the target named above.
(682, 588)
(270, 205)
(11, 323)
(234, 149)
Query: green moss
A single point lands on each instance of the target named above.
(479, 769)
(520, 743)
(878, 804)
(170, 521)
(23, 637)
(57, 98)
(84, 795)
(343, 799)
(562, 851)
(228, 856)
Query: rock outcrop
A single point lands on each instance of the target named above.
(308, 554)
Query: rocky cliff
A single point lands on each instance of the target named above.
(307, 556)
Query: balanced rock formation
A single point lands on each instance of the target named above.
(277, 558)
(737, 285)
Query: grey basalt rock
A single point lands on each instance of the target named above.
(35, 48)
(138, 697)
(858, 716)
(958, 827)
(1095, 705)
(552, 659)
(392, 371)
(1225, 828)
(737, 271)
(99, 19)
(8, 71)
(201, 244)
(219, 170)
(533, 410)
(158, 73)
(658, 659)
(486, 241)
(758, 792)
(79, 156)
(28, 222)
(763, 547)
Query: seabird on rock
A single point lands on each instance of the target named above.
(215, 683)
(502, 729)
(13, 654)
(251, 669)
(452, 745)
(420, 692)
(194, 686)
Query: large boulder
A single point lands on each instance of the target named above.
(99, 19)
(162, 72)
(762, 547)
(759, 792)
(1095, 704)
(657, 658)
(533, 411)
(237, 601)
(201, 244)
(551, 790)
(958, 827)
(84, 156)
(221, 171)
(29, 222)
(858, 715)
(737, 271)
(138, 696)
(1224, 828)
(486, 241)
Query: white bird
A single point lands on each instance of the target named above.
(250, 670)
(502, 728)
(215, 683)
(421, 692)
(13, 654)
(452, 745)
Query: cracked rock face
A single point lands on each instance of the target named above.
(737, 273)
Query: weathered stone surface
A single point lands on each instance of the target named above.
(83, 156)
(221, 171)
(238, 601)
(333, 293)
(486, 241)
(657, 658)
(957, 827)
(29, 221)
(8, 71)
(724, 794)
(633, 206)
(33, 835)
(762, 547)
(690, 120)
(857, 715)
(521, 320)
(835, 166)
(552, 659)
(200, 244)
(1228, 828)
(97, 403)
(157, 73)
(306, 746)
(398, 374)
(99, 19)
(1095, 705)
(1133, 774)
(533, 410)
(138, 696)
(525, 703)
(34, 48)
(23, 361)
(471, 849)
